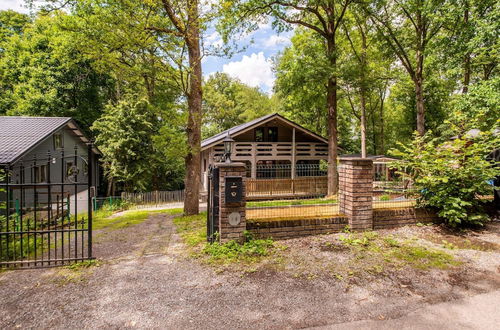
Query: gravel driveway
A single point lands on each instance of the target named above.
(146, 281)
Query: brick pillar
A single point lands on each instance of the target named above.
(230, 227)
(356, 192)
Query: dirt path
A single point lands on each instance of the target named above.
(146, 281)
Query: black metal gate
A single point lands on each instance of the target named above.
(213, 204)
(46, 210)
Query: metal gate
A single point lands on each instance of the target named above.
(46, 211)
(213, 204)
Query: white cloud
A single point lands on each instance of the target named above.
(214, 39)
(254, 70)
(276, 40)
(17, 5)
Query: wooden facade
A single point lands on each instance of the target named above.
(268, 141)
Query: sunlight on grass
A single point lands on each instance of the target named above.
(105, 221)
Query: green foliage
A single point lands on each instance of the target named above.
(453, 175)
(227, 102)
(43, 73)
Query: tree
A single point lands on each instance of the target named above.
(323, 18)
(42, 73)
(124, 135)
(227, 102)
(409, 27)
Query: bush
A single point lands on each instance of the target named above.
(451, 175)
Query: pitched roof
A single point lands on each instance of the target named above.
(18, 135)
(233, 131)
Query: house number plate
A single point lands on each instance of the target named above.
(234, 218)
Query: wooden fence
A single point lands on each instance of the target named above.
(151, 198)
(282, 188)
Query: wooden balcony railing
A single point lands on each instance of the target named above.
(281, 188)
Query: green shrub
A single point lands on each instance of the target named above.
(451, 175)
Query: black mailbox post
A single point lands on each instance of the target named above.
(234, 189)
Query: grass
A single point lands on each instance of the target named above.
(291, 202)
(390, 251)
(192, 229)
(105, 221)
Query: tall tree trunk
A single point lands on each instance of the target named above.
(419, 92)
(363, 92)
(331, 102)
(467, 67)
(382, 122)
(194, 98)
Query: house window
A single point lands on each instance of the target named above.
(58, 141)
(272, 134)
(266, 134)
(40, 174)
(71, 170)
(259, 134)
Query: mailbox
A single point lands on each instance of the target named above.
(234, 189)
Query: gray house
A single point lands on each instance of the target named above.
(46, 164)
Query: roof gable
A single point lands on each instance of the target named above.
(19, 135)
(240, 129)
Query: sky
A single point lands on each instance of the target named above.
(252, 66)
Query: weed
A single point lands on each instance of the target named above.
(232, 251)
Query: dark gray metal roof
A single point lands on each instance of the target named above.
(240, 128)
(20, 134)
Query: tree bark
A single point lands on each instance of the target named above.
(363, 93)
(419, 85)
(467, 67)
(194, 99)
(331, 102)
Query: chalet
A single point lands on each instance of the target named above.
(282, 157)
(46, 159)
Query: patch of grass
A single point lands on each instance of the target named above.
(291, 202)
(377, 250)
(129, 218)
(231, 252)
(77, 272)
(423, 258)
(192, 228)
(84, 264)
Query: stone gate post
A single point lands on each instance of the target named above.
(232, 197)
(356, 192)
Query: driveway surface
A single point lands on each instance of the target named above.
(145, 280)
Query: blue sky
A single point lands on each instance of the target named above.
(252, 66)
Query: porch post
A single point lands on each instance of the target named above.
(254, 161)
(293, 153)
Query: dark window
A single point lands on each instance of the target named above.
(58, 141)
(70, 170)
(259, 134)
(266, 134)
(40, 174)
(272, 134)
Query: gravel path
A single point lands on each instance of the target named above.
(146, 281)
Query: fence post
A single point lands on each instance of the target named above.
(232, 213)
(356, 192)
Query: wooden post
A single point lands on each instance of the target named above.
(254, 161)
